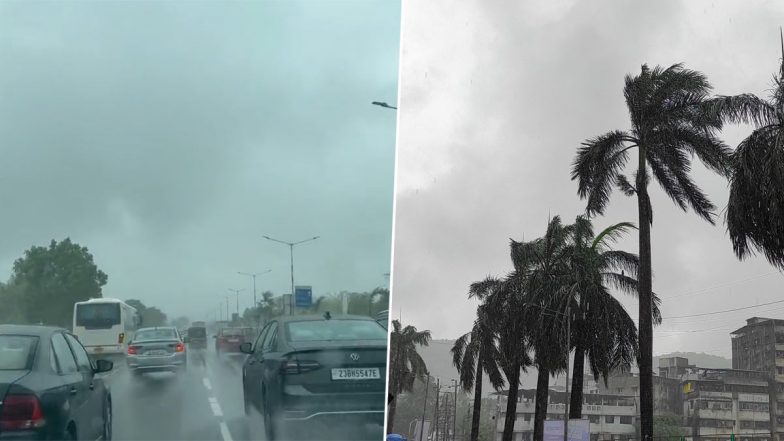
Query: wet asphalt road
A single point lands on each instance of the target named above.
(204, 403)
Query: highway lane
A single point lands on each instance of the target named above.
(204, 403)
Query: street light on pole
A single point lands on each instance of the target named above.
(253, 275)
(385, 105)
(291, 250)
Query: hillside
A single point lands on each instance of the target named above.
(439, 362)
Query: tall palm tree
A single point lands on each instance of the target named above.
(604, 331)
(542, 273)
(670, 123)
(502, 302)
(473, 353)
(406, 365)
(755, 211)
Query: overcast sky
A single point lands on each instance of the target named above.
(168, 137)
(495, 99)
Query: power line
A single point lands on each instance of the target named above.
(723, 312)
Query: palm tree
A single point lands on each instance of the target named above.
(670, 123)
(542, 272)
(473, 353)
(406, 365)
(755, 211)
(502, 302)
(604, 331)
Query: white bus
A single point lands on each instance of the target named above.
(104, 325)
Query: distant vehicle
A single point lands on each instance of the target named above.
(49, 388)
(198, 324)
(155, 350)
(304, 368)
(228, 340)
(104, 326)
(383, 318)
(196, 337)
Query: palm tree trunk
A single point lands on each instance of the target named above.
(576, 399)
(511, 404)
(645, 319)
(540, 409)
(391, 415)
(477, 401)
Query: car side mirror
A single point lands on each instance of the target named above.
(245, 348)
(103, 366)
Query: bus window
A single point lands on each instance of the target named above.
(98, 315)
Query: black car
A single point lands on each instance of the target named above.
(196, 337)
(49, 388)
(316, 368)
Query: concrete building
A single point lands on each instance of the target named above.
(667, 397)
(721, 402)
(612, 417)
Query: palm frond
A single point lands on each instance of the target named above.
(596, 167)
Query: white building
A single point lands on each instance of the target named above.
(612, 417)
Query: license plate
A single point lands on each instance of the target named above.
(98, 349)
(356, 374)
(233, 340)
(155, 353)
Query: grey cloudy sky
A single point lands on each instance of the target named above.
(168, 137)
(495, 99)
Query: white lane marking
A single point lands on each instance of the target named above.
(225, 432)
(216, 409)
(206, 382)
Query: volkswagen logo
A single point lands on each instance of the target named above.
(354, 356)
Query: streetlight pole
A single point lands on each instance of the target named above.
(424, 409)
(253, 275)
(291, 250)
(237, 293)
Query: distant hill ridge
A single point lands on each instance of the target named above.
(438, 358)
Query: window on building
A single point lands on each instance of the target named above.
(761, 425)
(609, 419)
(593, 419)
(747, 424)
(527, 416)
(626, 419)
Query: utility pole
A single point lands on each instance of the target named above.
(424, 408)
(435, 414)
(446, 416)
(454, 420)
(568, 351)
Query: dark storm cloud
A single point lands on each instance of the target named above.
(168, 137)
(491, 116)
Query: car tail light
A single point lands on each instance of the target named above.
(21, 412)
(132, 350)
(180, 347)
(295, 366)
(121, 337)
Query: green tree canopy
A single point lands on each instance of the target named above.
(151, 316)
(47, 281)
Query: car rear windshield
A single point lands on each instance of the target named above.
(98, 315)
(197, 333)
(16, 351)
(155, 334)
(335, 330)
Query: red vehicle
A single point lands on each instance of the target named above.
(229, 340)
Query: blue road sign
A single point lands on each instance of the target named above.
(303, 296)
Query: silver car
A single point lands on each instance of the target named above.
(155, 350)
